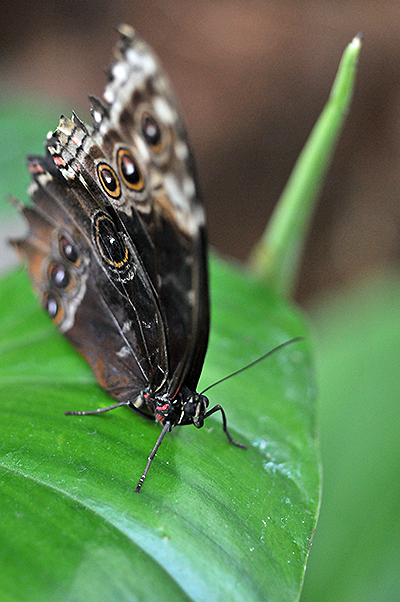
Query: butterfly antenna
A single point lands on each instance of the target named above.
(166, 427)
(260, 359)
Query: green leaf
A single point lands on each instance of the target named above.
(356, 554)
(277, 256)
(213, 522)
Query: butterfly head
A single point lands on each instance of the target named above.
(188, 407)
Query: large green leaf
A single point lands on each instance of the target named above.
(213, 522)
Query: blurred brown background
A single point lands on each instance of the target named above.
(252, 78)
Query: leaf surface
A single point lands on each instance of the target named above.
(213, 522)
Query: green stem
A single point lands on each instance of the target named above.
(277, 256)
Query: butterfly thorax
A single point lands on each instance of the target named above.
(187, 407)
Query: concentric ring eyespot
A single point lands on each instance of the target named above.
(152, 132)
(52, 304)
(109, 180)
(109, 242)
(60, 276)
(129, 170)
(68, 250)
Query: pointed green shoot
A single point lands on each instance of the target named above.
(276, 258)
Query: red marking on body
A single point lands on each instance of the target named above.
(59, 161)
(163, 408)
(36, 168)
(75, 140)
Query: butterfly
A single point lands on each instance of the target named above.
(116, 248)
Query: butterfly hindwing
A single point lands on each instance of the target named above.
(89, 301)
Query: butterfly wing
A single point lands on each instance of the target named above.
(116, 247)
(89, 298)
(140, 110)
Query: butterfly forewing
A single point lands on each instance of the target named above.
(141, 113)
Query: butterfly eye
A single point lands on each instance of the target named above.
(152, 132)
(109, 242)
(109, 180)
(68, 250)
(129, 170)
(52, 305)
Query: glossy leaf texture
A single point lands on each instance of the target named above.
(213, 522)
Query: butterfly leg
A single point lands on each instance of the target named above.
(166, 427)
(99, 410)
(219, 408)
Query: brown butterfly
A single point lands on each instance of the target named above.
(116, 248)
